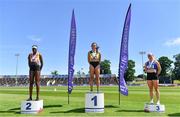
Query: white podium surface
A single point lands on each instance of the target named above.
(94, 102)
(154, 108)
(31, 107)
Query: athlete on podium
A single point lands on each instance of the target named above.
(153, 69)
(94, 58)
(35, 63)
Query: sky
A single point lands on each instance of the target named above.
(155, 27)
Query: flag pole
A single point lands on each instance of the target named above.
(119, 92)
(123, 62)
(68, 89)
(68, 98)
(72, 47)
(119, 98)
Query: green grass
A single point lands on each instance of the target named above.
(55, 102)
(176, 81)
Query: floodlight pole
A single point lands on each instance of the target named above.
(17, 58)
(142, 53)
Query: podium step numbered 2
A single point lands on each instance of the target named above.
(31, 107)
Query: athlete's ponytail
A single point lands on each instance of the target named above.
(97, 48)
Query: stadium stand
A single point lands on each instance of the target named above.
(55, 80)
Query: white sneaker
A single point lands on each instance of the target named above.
(151, 102)
(158, 102)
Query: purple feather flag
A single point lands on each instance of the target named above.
(72, 48)
(123, 63)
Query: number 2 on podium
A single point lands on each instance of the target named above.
(95, 100)
(28, 106)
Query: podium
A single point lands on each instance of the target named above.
(94, 102)
(154, 108)
(31, 107)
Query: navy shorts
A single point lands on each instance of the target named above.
(152, 76)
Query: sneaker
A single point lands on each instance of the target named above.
(37, 99)
(158, 102)
(151, 102)
(29, 99)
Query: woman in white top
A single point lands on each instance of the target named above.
(153, 69)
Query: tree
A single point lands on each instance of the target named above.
(80, 73)
(176, 71)
(105, 67)
(165, 63)
(129, 74)
(143, 76)
(55, 72)
(140, 76)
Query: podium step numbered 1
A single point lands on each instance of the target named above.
(31, 107)
(154, 108)
(94, 102)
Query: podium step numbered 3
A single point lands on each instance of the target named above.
(154, 108)
(31, 107)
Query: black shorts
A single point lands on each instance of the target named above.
(152, 76)
(35, 68)
(94, 64)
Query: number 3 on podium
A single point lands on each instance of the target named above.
(95, 100)
(28, 106)
(157, 108)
